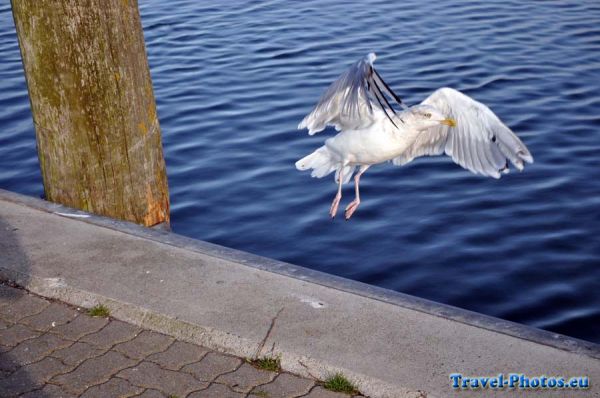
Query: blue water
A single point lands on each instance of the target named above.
(233, 79)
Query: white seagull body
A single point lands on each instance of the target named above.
(371, 131)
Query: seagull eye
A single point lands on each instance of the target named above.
(427, 115)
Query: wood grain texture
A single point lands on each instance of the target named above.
(98, 135)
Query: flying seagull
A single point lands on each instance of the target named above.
(372, 131)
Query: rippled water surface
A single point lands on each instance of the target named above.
(233, 79)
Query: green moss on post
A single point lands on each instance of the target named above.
(98, 135)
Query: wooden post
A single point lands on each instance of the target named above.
(93, 107)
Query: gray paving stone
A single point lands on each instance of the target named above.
(49, 391)
(93, 371)
(104, 362)
(285, 386)
(31, 377)
(178, 355)
(22, 306)
(77, 353)
(320, 392)
(15, 334)
(9, 294)
(150, 375)
(114, 333)
(79, 327)
(113, 388)
(212, 365)
(4, 324)
(150, 393)
(144, 344)
(7, 364)
(53, 315)
(33, 350)
(246, 377)
(217, 391)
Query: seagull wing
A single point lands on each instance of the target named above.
(480, 142)
(348, 103)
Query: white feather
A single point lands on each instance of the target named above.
(372, 132)
(480, 142)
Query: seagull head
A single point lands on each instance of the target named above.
(425, 116)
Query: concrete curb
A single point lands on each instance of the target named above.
(521, 331)
(396, 342)
(57, 289)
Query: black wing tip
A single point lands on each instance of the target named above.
(387, 87)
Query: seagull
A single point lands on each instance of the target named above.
(372, 131)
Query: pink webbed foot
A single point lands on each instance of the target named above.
(334, 206)
(351, 208)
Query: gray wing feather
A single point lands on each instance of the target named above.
(348, 102)
(480, 142)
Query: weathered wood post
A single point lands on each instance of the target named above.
(93, 107)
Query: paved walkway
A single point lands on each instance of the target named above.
(390, 344)
(49, 349)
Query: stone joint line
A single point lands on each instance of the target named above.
(51, 349)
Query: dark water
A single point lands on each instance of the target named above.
(232, 81)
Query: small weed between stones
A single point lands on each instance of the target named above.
(339, 383)
(99, 310)
(268, 363)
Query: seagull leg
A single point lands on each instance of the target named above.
(354, 204)
(336, 201)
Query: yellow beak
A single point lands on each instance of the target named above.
(449, 122)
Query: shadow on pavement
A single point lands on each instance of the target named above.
(14, 380)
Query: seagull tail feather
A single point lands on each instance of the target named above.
(320, 161)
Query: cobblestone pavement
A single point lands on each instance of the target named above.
(49, 349)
